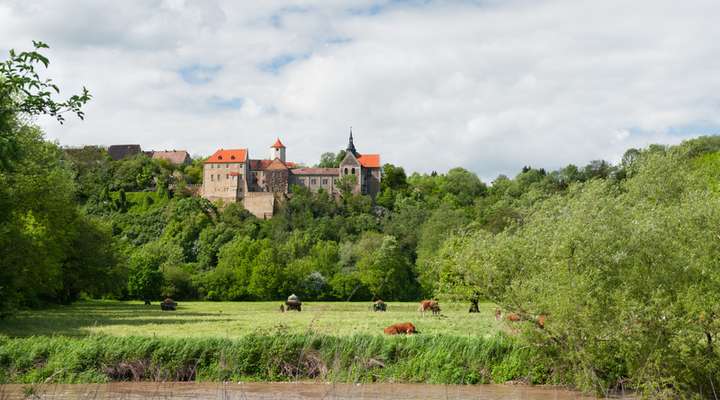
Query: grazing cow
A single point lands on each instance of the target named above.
(400, 328)
(431, 305)
(435, 308)
(474, 306)
(168, 305)
(512, 317)
(541, 321)
(475, 303)
(379, 305)
(293, 303)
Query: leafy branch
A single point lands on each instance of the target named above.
(29, 94)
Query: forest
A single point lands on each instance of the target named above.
(135, 231)
(622, 259)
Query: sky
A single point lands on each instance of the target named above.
(487, 85)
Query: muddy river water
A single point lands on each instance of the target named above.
(291, 391)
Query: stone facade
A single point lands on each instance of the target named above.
(231, 176)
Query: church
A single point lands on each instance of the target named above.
(232, 176)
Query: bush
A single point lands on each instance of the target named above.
(627, 274)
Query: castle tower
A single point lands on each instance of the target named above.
(351, 145)
(277, 150)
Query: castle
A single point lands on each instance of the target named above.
(232, 176)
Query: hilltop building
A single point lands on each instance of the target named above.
(120, 151)
(176, 157)
(232, 176)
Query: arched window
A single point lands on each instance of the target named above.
(353, 171)
(345, 170)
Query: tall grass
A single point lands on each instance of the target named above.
(281, 357)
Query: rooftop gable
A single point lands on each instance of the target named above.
(369, 160)
(175, 156)
(349, 160)
(276, 164)
(228, 156)
(120, 151)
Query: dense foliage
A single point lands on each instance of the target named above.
(49, 249)
(625, 271)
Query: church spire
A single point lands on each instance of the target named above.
(351, 145)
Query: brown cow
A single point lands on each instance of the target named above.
(513, 317)
(431, 305)
(541, 321)
(400, 328)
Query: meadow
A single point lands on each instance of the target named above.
(237, 319)
(101, 341)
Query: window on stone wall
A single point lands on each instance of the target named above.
(353, 171)
(212, 177)
(325, 182)
(345, 171)
(313, 181)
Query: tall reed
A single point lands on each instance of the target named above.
(281, 357)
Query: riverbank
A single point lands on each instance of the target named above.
(437, 359)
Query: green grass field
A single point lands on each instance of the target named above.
(238, 319)
(104, 341)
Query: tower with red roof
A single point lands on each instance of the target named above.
(277, 150)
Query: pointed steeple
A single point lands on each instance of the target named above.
(351, 145)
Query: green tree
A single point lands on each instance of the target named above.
(463, 185)
(346, 184)
(442, 223)
(383, 268)
(147, 267)
(37, 210)
(393, 178)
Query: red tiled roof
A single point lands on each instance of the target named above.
(315, 171)
(228, 156)
(369, 160)
(278, 144)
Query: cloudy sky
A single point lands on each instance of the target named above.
(489, 85)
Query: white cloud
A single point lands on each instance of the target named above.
(490, 86)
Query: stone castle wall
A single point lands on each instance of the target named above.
(260, 204)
